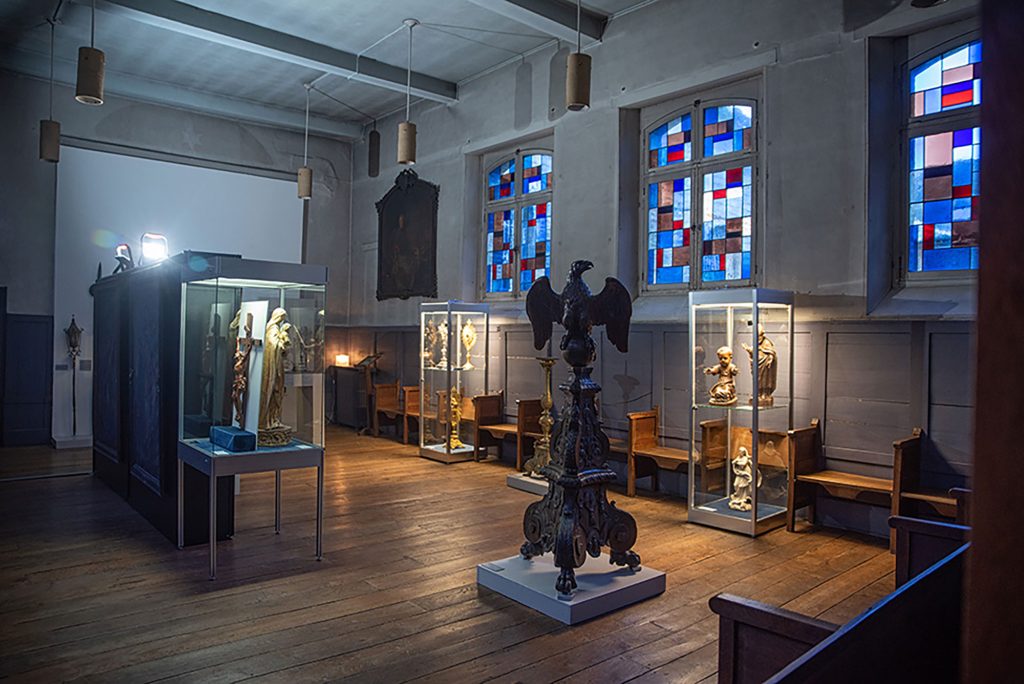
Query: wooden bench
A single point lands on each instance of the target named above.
(911, 635)
(482, 407)
(490, 432)
(644, 456)
(901, 494)
(386, 404)
(910, 498)
(411, 413)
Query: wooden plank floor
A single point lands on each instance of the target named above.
(90, 592)
(43, 461)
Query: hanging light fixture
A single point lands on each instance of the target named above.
(91, 63)
(49, 130)
(577, 73)
(407, 129)
(305, 173)
(373, 163)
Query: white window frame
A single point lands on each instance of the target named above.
(744, 94)
(517, 202)
(940, 122)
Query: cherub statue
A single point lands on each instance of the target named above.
(742, 481)
(767, 367)
(723, 392)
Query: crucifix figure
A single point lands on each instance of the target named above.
(240, 387)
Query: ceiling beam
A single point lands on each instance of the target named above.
(157, 92)
(554, 17)
(224, 30)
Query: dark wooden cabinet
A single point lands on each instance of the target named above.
(135, 402)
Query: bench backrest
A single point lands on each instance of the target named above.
(643, 428)
(528, 415)
(805, 453)
(386, 396)
(906, 462)
(913, 634)
(411, 399)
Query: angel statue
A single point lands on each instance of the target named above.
(723, 392)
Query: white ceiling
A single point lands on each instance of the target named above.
(458, 39)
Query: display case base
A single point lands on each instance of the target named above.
(718, 514)
(524, 482)
(601, 587)
(460, 455)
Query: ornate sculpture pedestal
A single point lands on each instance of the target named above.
(575, 517)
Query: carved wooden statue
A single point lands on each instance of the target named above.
(766, 367)
(240, 386)
(723, 392)
(276, 342)
(575, 517)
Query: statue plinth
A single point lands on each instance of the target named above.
(279, 435)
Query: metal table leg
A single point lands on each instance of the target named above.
(277, 502)
(213, 523)
(320, 509)
(181, 504)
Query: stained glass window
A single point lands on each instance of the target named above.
(944, 192)
(671, 143)
(669, 226)
(501, 240)
(501, 181)
(943, 188)
(950, 81)
(728, 129)
(727, 225)
(536, 173)
(514, 260)
(535, 254)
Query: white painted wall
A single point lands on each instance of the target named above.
(104, 199)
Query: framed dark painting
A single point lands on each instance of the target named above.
(407, 239)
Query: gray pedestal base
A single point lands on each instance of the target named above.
(527, 483)
(602, 588)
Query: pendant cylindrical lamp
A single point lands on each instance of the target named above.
(373, 162)
(49, 130)
(407, 129)
(577, 72)
(305, 178)
(407, 143)
(49, 140)
(577, 82)
(91, 65)
(305, 174)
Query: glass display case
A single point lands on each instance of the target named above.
(453, 370)
(252, 350)
(741, 385)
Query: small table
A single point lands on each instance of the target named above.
(215, 462)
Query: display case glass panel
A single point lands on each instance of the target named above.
(454, 353)
(284, 398)
(741, 386)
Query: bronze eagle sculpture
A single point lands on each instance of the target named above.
(578, 311)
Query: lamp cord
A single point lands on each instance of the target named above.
(408, 78)
(92, 30)
(52, 27)
(305, 137)
(579, 42)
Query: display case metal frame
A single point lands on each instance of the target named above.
(453, 310)
(731, 301)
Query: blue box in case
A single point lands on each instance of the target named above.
(233, 439)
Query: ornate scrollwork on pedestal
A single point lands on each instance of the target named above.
(575, 517)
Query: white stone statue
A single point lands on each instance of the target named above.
(276, 342)
(741, 498)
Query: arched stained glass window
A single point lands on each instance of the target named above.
(670, 143)
(708, 173)
(728, 129)
(944, 159)
(536, 173)
(502, 180)
(518, 223)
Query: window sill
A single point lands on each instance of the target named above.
(930, 300)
